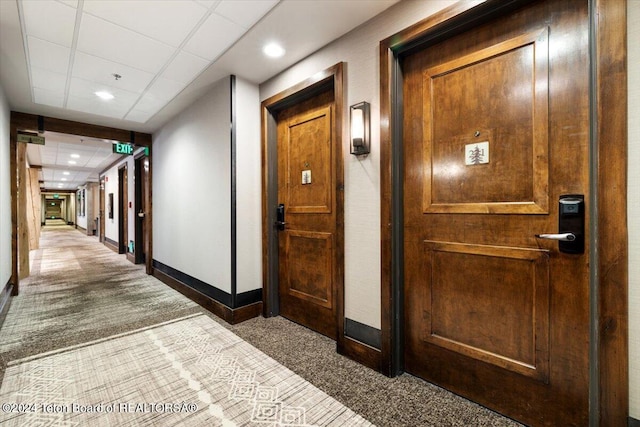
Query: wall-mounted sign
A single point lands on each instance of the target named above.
(123, 148)
(56, 196)
(477, 153)
(30, 138)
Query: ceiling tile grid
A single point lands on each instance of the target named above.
(144, 53)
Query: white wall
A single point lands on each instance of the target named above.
(360, 50)
(81, 221)
(633, 200)
(192, 190)
(5, 192)
(111, 185)
(248, 188)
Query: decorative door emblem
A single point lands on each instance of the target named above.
(477, 153)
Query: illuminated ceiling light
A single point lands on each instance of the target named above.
(75, 156)
(273, 50)
(65, 173)
(63, 179)
(104, 95)
(72, 162)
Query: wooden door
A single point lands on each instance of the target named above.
(142, 208)
(307, 189)
(123, 198)
(102, 208)
(495, 130)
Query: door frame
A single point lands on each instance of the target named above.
(142, 166)
(34, 123)
(123, 209)
(608, 352)
(331, 78)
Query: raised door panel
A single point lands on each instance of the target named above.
(485, 126)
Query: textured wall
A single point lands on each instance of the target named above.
(359, 49)
(633, 200)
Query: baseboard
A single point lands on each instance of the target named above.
(5, 301)
(364, 333)
(228, 314)
(131, 257)
(111, 245)
(361, 353)
(633, 422)
(84, 230)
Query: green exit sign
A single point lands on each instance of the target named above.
(123, 148)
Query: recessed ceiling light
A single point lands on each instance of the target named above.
(273, 50)
(72, 162)
(65, 173)
(104, 95)
(63, 179)
(75, 156)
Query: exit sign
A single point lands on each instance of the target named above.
(123, 148)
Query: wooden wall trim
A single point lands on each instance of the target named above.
(29, 122)
(611, 139)
(113, 245)
(612, 282)
(230, 315)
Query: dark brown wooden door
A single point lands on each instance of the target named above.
(495, 131)
(102, 209)
(307, 189)
(123, 200)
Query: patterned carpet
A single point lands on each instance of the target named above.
(186, 372)
(79, 290)
(89, 327)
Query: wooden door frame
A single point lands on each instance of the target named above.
(123, 209)
(609, 383)
(102, 207)
(330, 78)
(34, 123)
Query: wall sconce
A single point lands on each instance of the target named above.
(360, 128)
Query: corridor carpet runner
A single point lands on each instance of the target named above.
(190, 371)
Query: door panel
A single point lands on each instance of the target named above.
(307, 189)
(495, 130)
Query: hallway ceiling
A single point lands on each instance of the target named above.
(155, 57)
(55, 54)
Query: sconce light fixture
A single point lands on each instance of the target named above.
(360, 128)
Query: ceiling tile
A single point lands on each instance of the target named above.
(93, 68)
(112, 42)
(50, 20)
(150, 104)
(185, 67)
(72, 3)
(45, 79)
(244, 13)
(45, 97)
(138, 116)
(86, 89)
(213, 37)
(209, 3)
(165, 89)
(168, 21)
(49, 56)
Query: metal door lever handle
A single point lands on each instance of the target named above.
(565, 237)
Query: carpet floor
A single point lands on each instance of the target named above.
(86, 303)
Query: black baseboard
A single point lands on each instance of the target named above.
(247, 304)
(5, 301)
(363, 333)
(633, 422)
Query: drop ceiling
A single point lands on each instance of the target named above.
(155, 56)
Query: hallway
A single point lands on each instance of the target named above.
(88, 308)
